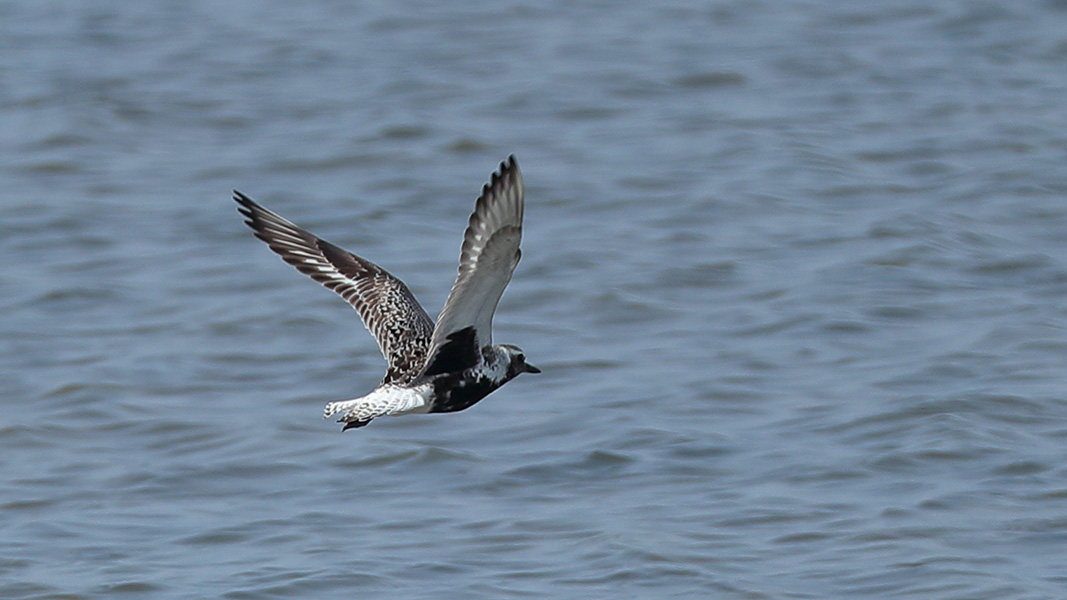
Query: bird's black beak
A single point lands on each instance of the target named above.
(528, 368)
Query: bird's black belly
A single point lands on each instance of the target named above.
(452, 394)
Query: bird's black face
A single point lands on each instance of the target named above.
(518, 363)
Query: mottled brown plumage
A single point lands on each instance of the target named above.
(388, 309)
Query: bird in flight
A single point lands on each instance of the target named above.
(442, 367)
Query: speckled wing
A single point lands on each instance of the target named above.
(388, 309)
(488, 257)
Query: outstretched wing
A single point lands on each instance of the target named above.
(488, 257)
(388, 309)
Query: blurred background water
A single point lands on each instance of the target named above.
(796, 273)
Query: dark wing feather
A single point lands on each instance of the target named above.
(388, 309)
(488, 258)
(459, 353)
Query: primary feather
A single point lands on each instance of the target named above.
(487, 259)
(388, 309)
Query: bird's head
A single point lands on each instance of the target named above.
(517, 361)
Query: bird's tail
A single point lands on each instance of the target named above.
(335, 407)
(349, 418)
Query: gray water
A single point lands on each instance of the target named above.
(796, 274)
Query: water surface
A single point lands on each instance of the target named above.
(795, 272)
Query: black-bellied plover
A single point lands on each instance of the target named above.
(432, 368)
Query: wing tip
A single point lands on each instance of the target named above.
(506, 175)
(247, 208)
(508, 169)
(242, 199)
